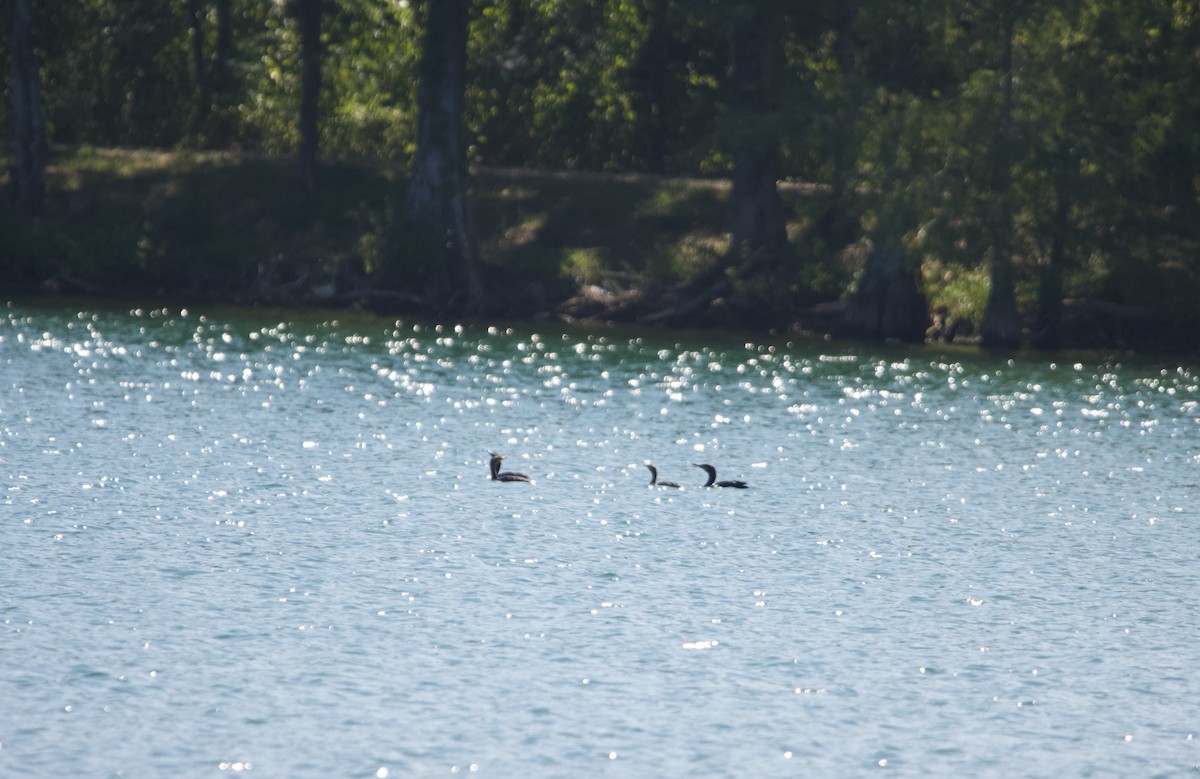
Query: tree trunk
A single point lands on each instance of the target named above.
(1047, 331)
(1002, 322)
(222, 75)
(221, 127)
(758, 222)
(309, 13)
(839, 226)
(29, 154)
(886, 304)
(516, 19)
(659, 42)
(437, 194)
(203, 100)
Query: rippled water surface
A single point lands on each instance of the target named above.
(264, 544)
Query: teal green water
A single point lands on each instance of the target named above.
(257, 543)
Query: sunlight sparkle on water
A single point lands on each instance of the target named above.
(264, 510)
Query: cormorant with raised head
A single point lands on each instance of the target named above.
(506, 475)
(712, 478)
(654, 482)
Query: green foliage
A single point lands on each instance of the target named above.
(960, 291)
(897, 111)
(114, 70)
(596, 85)
(562, 71)
(584, 264)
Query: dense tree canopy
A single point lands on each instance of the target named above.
(1045, 150)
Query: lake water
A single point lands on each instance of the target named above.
(266, 544)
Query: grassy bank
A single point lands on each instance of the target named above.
(143, 222)
(235, 227)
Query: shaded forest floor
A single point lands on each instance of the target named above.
(576, 246)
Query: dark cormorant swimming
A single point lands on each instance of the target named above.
(506, 475)
(654, 482)
(712, 478)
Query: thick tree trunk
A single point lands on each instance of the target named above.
(222, 72)
(309, 13)
(516, 19)
(29, 153)
(758, 219)
(1002, 322)
(658, 72)
(221, 89)
(887, 304)
(437, 194)
(1047, 331)
(839, 225)
(203, 99)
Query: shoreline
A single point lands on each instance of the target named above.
(580, 247)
